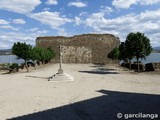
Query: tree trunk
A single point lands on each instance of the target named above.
(138, 64)
(124, 64)
(130, 64)
(26, 66)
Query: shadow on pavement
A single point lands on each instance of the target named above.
(99, 72)
(104, 107)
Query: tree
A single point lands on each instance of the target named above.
(138, 45)
(123, 52)
(51, 53)
(42, 54)
(114, 54)
(22, 51)
(36, 53)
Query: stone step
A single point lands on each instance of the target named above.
(61, 77)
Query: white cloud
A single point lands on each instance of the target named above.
(77, 4)
(146, 22)
(8, 27)
(51, 2)
(62, 32)
(46, 9)
(53, 19)
(3, 22)
(83, 14)
(39, 32)
(125, 4)
(3, 45)
(106, 9)
(19, 6)
(78, 20)
(94, 19)
(11, 37)
(33, 29)
(19, 21)
(7, 39)
(148, 2)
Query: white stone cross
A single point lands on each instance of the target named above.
(60, 70)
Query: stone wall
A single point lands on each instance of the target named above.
(152, 66)
(157, 66)
(87, 48)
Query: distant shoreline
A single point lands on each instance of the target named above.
(155, 51)
(6, 52)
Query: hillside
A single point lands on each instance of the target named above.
(156, 49)
(5, 52)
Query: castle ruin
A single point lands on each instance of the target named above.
(86, 48)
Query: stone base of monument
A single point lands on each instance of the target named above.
(60, 71)
(61, 77)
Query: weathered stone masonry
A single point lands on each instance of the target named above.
(87, 48)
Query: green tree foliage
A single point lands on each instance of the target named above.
(22, 51)
(13, 67)
(42, 54)
(27, 52)
(138, 45)
(51, 53)
(35, 53)
(123, 52)
(114, 54)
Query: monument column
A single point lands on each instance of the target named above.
(61, 76)
(60, 70)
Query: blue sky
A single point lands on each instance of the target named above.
(25, 20)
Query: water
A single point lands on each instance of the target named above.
(10, 59)
(153, 57)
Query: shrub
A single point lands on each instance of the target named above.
(150, 67)
(134, 66)
(14, 68)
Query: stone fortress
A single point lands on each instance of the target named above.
(86, 48)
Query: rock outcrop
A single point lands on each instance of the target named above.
(86, 48)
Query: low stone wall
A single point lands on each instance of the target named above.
(152, 66)
(157, 66)
(134, 66)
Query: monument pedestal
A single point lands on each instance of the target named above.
(60, 71)
(60, 76)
